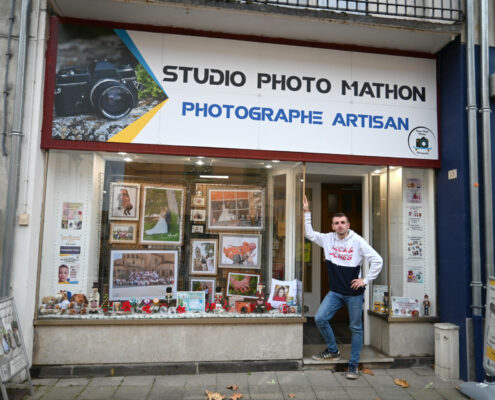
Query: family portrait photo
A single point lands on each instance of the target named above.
(123, 232)
(142, 273)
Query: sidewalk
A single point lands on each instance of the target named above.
(278, 385)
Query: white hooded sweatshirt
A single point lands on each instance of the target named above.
(344, 258)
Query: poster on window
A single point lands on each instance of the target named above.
(12, 353)
(489, 353)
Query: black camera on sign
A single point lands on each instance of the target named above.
(422, 143)
(109, 90)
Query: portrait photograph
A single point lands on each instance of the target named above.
(142, 273)
(204, 285)
(203, 256)
(242, 285)
(198, 215)
(124, 201)
(162, 217)
(123, 232)
(236, 209)
(197, 228)
(240, 251)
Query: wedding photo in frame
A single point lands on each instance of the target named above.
(142, 273)
(203, 257)
(240, 251)
(205, 285)
(162, 215)
(235, 209)
(124, 201)
(240, 284)
(123, 232)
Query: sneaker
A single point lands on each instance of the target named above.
(327, 355)
(352, 373)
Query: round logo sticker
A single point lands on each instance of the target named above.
(421, 140)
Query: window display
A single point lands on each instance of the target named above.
(146, 236)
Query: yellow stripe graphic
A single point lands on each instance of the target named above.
(128, 134)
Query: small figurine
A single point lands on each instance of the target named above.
(63, 305)
(426, 306)
(94, 301)
(260, 299)
(155, 305)
(385, 302)
(168, 294)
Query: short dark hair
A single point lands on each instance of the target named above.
(340, 215)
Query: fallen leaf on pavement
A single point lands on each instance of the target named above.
(271, 382)
(291, 395)
(213, 395)
(233, 387)
(368, 371)
(236, 396)
(401, 382)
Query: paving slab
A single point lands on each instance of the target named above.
(146, 380)
(64, 393)
(208, 381)
(72, 382)
(292, 378)
(131, 392)
(359, 382)
(451, 394)
(301, 392)
(165, 393)
(171, 380)
(39, 392)
(321, 378)
(266, 396)
(326, 393)
(97, 393)
(262, 378)
(106, 381)
(361, 393)
(44, 382)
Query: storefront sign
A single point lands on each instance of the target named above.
(180, 90)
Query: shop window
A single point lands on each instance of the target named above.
(142, 236)
(402, 231)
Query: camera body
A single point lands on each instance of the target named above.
(422, 143)
(102, 87)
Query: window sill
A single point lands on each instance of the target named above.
(392, 319)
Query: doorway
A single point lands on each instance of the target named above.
(329, 195)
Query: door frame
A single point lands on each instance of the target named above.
(312, 300)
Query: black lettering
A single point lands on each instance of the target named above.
(185, 72)
(238, 82)
(168, 71)
(323, 85)
(212, 77)
(308, 81)
(204, 79)
(263, 78)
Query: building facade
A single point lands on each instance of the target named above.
(169, 146)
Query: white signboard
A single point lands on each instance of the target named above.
(238, 94)
(489, 353)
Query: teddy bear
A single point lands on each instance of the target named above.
(63, 301)
(78, 304)
(48, 305)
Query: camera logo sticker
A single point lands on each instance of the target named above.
(421, 140)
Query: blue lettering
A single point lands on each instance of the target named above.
(351, 119)
(377, 121)
(186, 106)
(218, 111)
(390, 123)
(317, 118)
(244, 109)
(281, 115)
(293, 114)
(339, 119)
(403, 123)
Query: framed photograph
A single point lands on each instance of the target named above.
(244, 285)
(241, 209)
(191, 301)
(124, 201)
(199, 201)
(163, 215)
(240, 251)
(123, 232)
(198, 215)
(204, 257)
(142, 274)
(205, 285)
(197, 229)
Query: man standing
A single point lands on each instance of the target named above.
(344, 254)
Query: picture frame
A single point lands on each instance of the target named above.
(236, 209)
(240, 251)
(123, 232)
(197, 228)
(205, 285)
(203, 258)
(240, 284)
(199, 201)
(198, 215)
(191, 301)
(162, 220)
(142, 274)
(124, 201)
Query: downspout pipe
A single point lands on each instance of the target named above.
(15, 154)
(476, 285)
(485, 111)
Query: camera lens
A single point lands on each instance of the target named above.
(112, 99)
